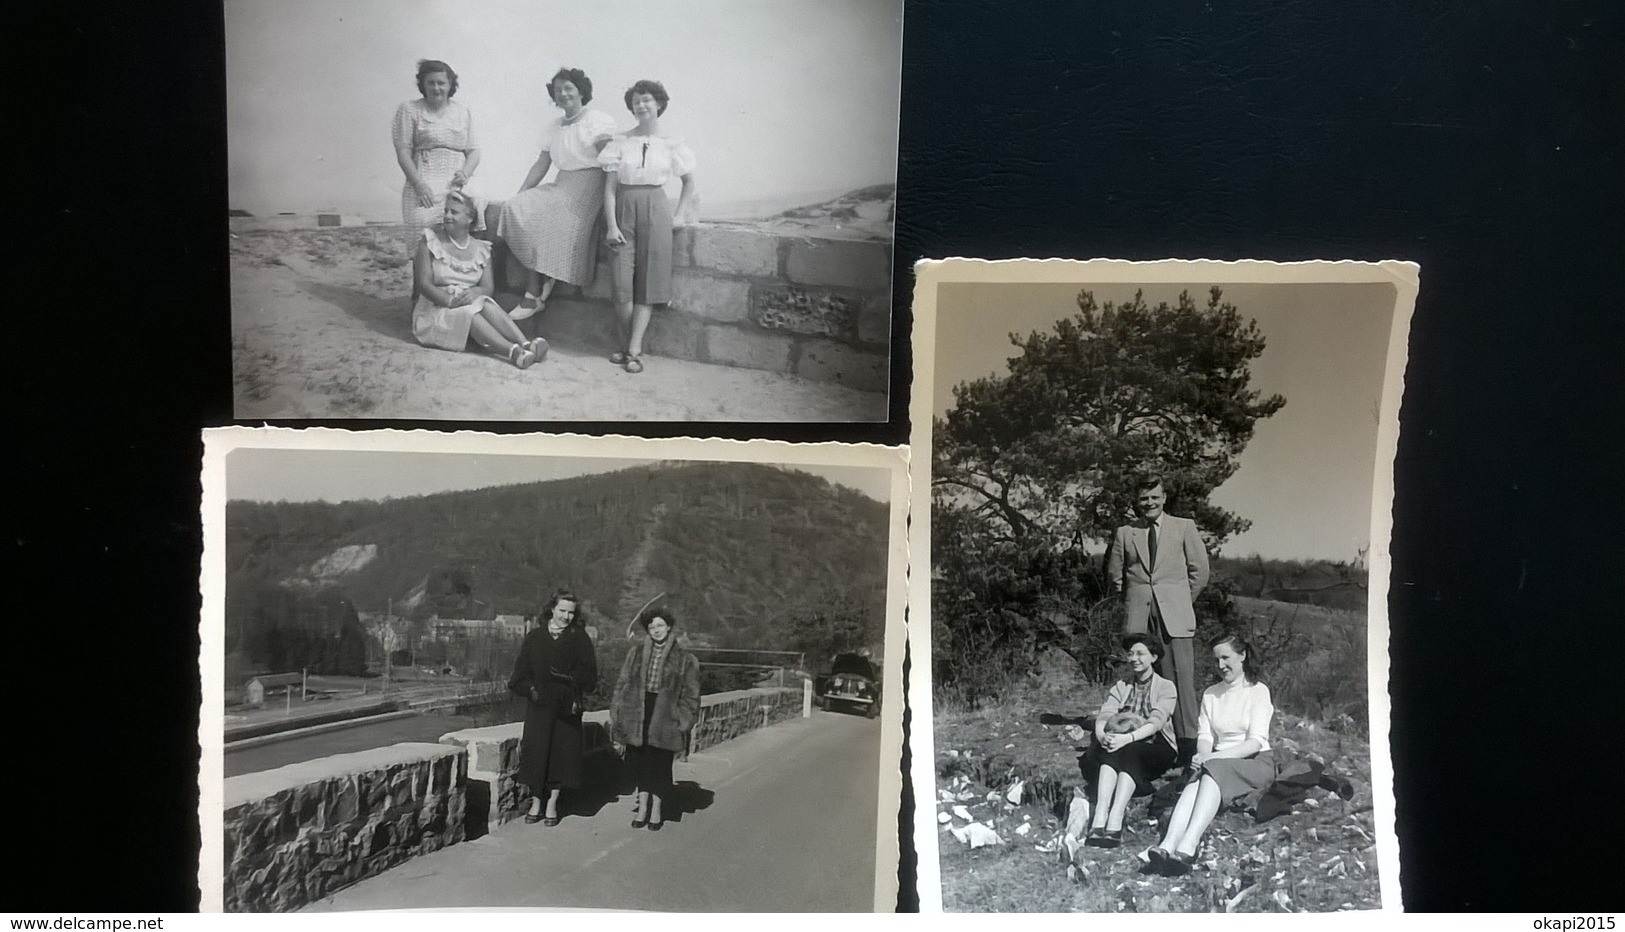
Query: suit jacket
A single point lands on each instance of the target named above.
(1173, 584)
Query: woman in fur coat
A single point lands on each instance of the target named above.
(656, 704)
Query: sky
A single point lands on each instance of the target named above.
(784, 102)
(1305, 480)
(270, 475)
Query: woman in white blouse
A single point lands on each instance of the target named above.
(551, 227)
(639, 215)
(1233, 758)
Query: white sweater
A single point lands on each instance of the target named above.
(1232, 713)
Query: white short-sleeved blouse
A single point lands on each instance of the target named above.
(647, 159)
(571, 145)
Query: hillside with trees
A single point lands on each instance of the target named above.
(744, 552)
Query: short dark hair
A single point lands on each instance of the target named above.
(428, 66)
(659, 611)
(1152, 645)
(564, 595)
(654, 89)
(1145, 482)
(575, 76)
(1249, 660)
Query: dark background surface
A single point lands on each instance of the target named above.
(1482, 141)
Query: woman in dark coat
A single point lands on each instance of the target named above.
(556, 667)
(656, 704)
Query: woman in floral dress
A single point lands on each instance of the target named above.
(435, 147)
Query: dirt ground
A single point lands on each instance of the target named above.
(321, 328)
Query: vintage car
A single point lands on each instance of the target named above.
(852, 685)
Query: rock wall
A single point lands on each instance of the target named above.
(731, 714)
(495, 797)
(300, 832)
(811, 306)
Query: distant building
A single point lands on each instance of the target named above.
(272, 682)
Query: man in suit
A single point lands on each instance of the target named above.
(1158, 564)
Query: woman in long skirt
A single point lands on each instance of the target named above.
(552, 228)
(656, 704)
(557, 666)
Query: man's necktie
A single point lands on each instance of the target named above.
(1151, 537)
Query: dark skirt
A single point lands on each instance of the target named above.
(643, 263)
(1144, 760)
(553, 743)
(650, 766)
(1242, 780)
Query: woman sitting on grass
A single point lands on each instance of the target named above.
(454, 283)
(1233, 758)
(639, 215)
(1134, 739)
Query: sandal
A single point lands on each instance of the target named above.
(524, 310)
(521, 356)
(634, 364)
(538, 348)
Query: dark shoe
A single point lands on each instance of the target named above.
(1111, 838)
(1179, 864)
(639, 822)
(1158, 856)
(634, 364)
(531, 818)
(550, 820)
(1095, 839)
(655, 826)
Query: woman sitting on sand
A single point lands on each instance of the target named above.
(1134, 739)
(639, 215)
(453, 274)
(552, 227)
(435, 147)
(1233, 758)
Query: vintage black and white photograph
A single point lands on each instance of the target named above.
(467, 671)
(533, 210)
(1159, 500)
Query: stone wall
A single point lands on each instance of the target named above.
(495, 797)
(746, 296)
(731, 714)
(300, 832)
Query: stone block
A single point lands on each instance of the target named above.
(839, 263)
(574, 322)
(675, 335)
(827, 361)
(874, 320)
(815, 312)
(734, 251)
(749, 349)
(602, 285)
(711, 296)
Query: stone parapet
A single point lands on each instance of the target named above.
(494, 795)
(300, 832)
(731, 714)
(750, 297)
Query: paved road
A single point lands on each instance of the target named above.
(789, 826)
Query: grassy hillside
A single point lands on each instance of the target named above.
(738, 548)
